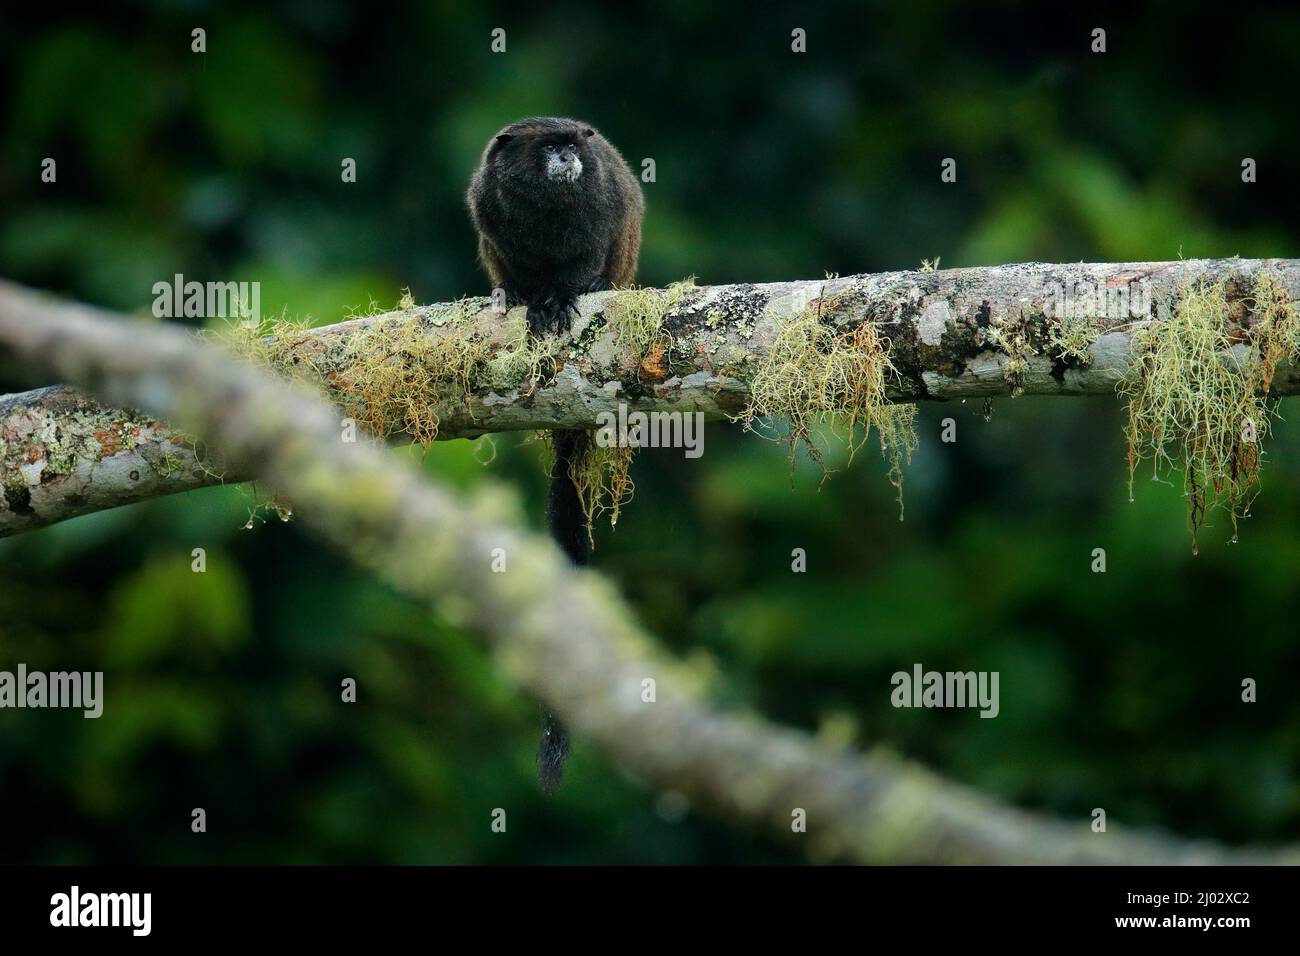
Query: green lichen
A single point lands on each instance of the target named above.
(168, 465)
(52, 443)
(519, 363)
(1070, 340)
(59, 462)
(636, 316)
(1013, 340)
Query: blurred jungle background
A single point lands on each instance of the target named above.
(1119, 690)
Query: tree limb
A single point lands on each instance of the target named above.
(955, 333)
(562, 633)
(64, 455)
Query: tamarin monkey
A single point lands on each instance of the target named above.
(558, 213)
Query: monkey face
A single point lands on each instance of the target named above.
(561, 162)
(546, 148)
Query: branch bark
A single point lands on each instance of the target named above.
(955, 333)
(562, 633)
(62, 454)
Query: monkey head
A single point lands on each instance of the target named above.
(554, 150)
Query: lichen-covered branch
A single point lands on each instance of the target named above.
(562, 633)
(463, 369)
(62, 455)
(1030, 328)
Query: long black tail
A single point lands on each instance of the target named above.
(552, 750)
(564, 514)
(568, 524)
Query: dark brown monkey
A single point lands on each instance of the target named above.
(558, 213)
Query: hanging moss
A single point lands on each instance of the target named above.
(387, 374)
(1198, 393)
(636, 316)
(817, 375)
(602, 478)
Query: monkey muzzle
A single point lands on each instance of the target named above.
(563, 166)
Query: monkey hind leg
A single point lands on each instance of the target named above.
(552, 750)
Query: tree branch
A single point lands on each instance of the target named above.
(462, 369)
(560, 632)
(63, 455)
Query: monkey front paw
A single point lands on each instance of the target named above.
(552, 316)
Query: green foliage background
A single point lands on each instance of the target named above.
(1119, 690)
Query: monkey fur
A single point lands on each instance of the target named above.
(558, 213)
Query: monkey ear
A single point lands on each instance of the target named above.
(504, 138)
(588, 132)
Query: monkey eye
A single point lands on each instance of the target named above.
(548, 148)
(571, 147)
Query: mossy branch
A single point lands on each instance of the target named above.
(462, 369)
(560, 632)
